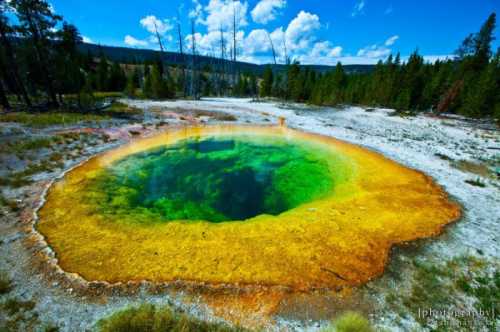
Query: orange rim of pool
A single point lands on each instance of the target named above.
(245, 205)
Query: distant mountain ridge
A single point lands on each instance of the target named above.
(130, 55)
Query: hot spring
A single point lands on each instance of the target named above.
(239, 205)
(216, 179)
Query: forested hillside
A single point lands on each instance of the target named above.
(127, 55)
(44, 62)
(469, 84)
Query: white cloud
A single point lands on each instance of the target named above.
(374, 52)
(131, 41)
(321, 53)
(358, 8)
(378, 52)
(300, 31)
(196, 11)
(325, 49)
(257, 41)
(335, 52)
(207, 43)
(391, 40)
(152, 23)
(266, 10)
(210, 42)
(219, 15)
(434, 58)
(300, 34)
(277, 36)
(87, 40)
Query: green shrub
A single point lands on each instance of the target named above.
(41, 120)
(13, 306)
(123, 109)
(477, 182)
(5, 284)
(51, 328)
(148, 318)
(350, 322)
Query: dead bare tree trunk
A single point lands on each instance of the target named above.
(183, 59)
(287, 63)
(272, 47)
(222, 67)
(234, 45)
(287, 60)
(193, 61)
(159, 39)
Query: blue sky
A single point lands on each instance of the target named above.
(315, 31)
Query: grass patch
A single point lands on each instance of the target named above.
(14, 306)
(98, 96)
(148, 318)
(350, 322)
(118, 108)
(50, 328)
(465, 283)
(477, 183)
(443, 157)
(5, 284)
(56, 157)
(15, 180)
(41, 120)
(106, 95)
(225, 117)
(23, 178)
(21, 146)
(9, 203)
(471, 167)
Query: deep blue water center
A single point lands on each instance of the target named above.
(213, 179)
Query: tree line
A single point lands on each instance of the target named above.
(468, 84)
(41, 67)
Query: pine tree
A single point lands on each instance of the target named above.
(102, 74)
(69, 77)
(278, 89)
(294, 83)
(266, 85)
(252, 85)
(338, 83)
(159, 87)
(87, 99)
(131, 86)
(482, 42)
(481, 97)
(117, 78)
(147, 90)
(36, 23)
(9, 65)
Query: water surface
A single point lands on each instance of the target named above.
(214, 179)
